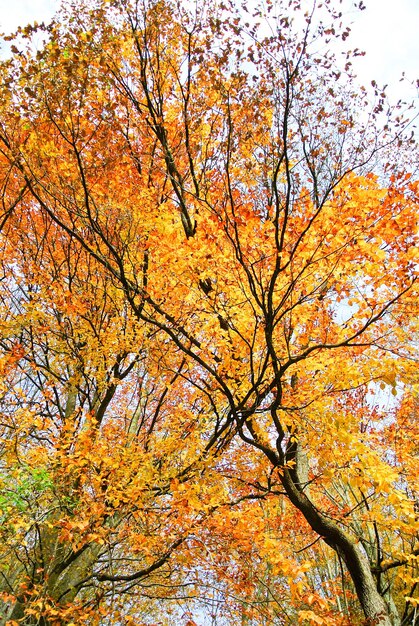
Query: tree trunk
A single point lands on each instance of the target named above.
(61, 581)
(373, 605)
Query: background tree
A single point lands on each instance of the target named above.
(209, 243)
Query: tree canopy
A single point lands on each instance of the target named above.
(208, 332)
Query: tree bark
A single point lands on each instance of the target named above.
(372, 603)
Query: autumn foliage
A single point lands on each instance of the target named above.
(208, 331)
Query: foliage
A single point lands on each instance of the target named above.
(208, 324)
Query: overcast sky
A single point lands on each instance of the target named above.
(386, 30)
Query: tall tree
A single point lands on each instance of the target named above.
(209, 251)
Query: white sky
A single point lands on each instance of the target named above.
(387, 30)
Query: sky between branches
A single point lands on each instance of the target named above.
(386, 30)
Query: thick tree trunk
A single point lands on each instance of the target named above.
(61, 580)
(373, 605)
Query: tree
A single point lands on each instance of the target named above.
(209, 267)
